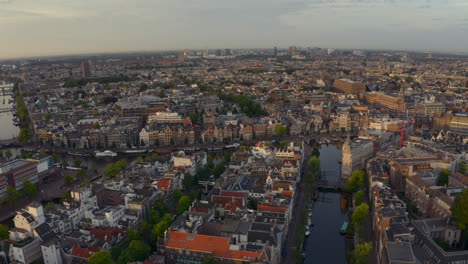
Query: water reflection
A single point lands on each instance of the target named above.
(8, 129)
(325, 244)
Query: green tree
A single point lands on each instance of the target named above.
(358, 197)
(54, 157)
(188, 181)
(122, 164)
(132, 234)
(8, 154)
(183, 204)
(209, 260)
(101, 257)
(111, 170)
(50, 207)
(310, 178)
(252, 204)
(409, 79)
(139, 159)
(158, 230)
(360, 255)
(443, 177)
(356, 181)
(68, 179)
(29, 189)
(12, 195)
(316, 152)
(81, 174)
(460, 209)
(139, 250)
(77, 162)
(176, 194)
(314, 163)
(66, 196)
(47, 116)
(359, 215)
(24, 135)
(283, 143)
(280, 130)
(1, 153)
(463, 168)
(4, 232)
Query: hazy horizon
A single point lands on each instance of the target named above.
(53, 27)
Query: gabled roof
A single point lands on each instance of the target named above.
(108, 234)
(84, 253)
(164, 184)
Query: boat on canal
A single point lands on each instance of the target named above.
(79, 154)
(134, 151)
(344, 227)
(105, 154)
(233, 146)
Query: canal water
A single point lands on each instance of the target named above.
(7, 129)
(325, 244)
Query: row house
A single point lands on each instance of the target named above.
(218, 134)
(430, 202)
(167, 135)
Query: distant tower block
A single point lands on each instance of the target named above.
(181, 56)
(86, 69)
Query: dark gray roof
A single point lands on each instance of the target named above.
(400, 252)
(46, 234)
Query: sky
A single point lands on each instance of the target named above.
(56, 27)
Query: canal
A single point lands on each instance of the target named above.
(8, 130)
(325, 244)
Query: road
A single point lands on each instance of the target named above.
(296, 222)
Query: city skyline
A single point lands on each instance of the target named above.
(52, 27)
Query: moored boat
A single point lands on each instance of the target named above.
(134, 151)
(105, 153)
(344, 227)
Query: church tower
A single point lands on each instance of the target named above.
(347, 160)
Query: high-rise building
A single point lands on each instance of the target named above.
(275, 52)
(181, 56)
(228, 52)
(86, 69)
(218, 52)
(292, 50)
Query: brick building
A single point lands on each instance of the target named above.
(15, 172)
(349, 87)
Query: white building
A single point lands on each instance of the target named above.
(33, 237)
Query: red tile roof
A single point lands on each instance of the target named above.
(218, 246)
(84, 253)
(187, 121)
(232, 193)
(164, 184)
(108, 234)
(272, 208)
